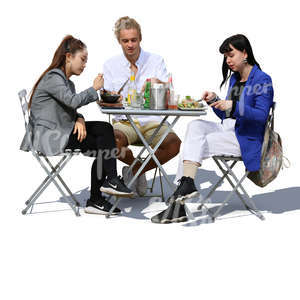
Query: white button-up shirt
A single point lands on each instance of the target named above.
(116, 71)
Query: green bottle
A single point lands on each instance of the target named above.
(147, 94)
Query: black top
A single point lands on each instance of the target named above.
(235, 94)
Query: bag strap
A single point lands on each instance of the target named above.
(271, 116)
(285, 162)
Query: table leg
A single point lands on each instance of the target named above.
(143, 149)
(149, 148)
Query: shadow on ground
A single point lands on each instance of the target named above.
(276, 202)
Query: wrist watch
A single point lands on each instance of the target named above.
(213, 100)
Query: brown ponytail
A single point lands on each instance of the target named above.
(68, 45)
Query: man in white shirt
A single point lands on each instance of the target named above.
(145, 65)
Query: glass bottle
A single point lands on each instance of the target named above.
(171, 93)
(132, 89)
(147, 94)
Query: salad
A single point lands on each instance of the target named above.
(189, 103)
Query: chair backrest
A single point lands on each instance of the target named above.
(24, 105)
(26, 114)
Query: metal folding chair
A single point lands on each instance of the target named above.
(229, 162)
(223, 160)
(53, 172)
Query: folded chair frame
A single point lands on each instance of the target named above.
(53, 172)
(236, 184)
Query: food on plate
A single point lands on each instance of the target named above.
(189, 103)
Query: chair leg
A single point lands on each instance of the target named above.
(51, 178)
(217, 184)
(252, 209)
(243, 197)
(65, 185)
(212, 190)
(230, 172)
(34, 195)
(31, 201)
(74, 206)
(215, 215)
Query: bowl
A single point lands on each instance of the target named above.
(110, 98)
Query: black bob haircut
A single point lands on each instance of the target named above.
(241, 43)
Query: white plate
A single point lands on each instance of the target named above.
(189, 108)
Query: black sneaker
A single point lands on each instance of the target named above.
(100, 207)
(179, 213)
(165, 216)
(116, 186)
(186, 189)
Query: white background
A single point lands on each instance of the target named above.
(58, 256)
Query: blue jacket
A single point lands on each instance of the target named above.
(251, 113)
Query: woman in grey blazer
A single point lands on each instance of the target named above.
(57, 125)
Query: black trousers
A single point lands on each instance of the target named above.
(99, 143)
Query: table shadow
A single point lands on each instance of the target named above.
(279, 201)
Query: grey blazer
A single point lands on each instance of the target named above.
(53, 112)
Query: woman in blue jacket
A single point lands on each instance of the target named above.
(243, 117)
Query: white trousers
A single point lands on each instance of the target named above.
(204, 139)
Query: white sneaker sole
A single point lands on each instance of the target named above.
(111, 191)
(94, 211)
(175, 220)
(180, 219)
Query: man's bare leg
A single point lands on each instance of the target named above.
(168, 149)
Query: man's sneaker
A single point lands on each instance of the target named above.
(116, 186)
(179, 213)
(165, 216)
(100, 207)
(127, 176)
(141, 185)
(186, 189)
